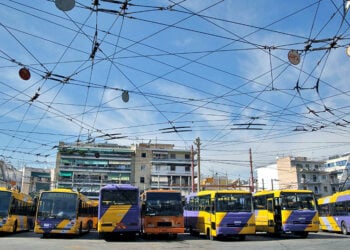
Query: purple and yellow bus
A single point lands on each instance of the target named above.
(335, 212)
(162, 213)
(63, 211)
(119, 211)
(17, 211)
(220, 214)
(286, 211)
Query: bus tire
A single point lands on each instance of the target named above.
(89, 226)
(344, 228)
(14, 229)
(209, 234)
(241, 237)
(81, 228)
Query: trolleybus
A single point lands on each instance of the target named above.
(17, 211)
(286, 211)
(335, 212)
(162, 213)
(63, 211)
(220, 214)
(119, 211)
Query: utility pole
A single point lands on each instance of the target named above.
(198, 144)
(192, 169)
(251, 171)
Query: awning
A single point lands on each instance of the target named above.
(119, 176)
(65, 174)
(40, 174)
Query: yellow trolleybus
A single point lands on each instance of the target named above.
(63, 211)
(286, 211)
(17, 211)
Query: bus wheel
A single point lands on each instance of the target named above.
(209, 235)
(101, 236)
(344, 228)
(241, 237)
(14, 229)
(302, 234)
(81, 228)
(89, 226)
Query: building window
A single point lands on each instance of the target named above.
(142, 179)
(187, 156)
(325, 189)
(316, 189)
(143, 167)
(172, 156)
(187, 169)
(143, 155)
(324, 177)
(172, 168)
(314, 178)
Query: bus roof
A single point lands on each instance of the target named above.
(279, 191)
(338, 196)
(162, 191)
(17, 194)
(119, 186)
(222, 191)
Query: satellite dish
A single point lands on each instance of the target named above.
(24, 73)
(293, 57)
(125, 96)
(65, 5)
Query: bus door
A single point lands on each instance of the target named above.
(212, 215)
(278, 215)
(270, 216)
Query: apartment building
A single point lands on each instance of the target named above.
(35, 180)
(298, 173)
(339, 165)
(161, 166)
(88, 167)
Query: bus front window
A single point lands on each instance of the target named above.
(57, 205)
(167, 204)
(297, 201)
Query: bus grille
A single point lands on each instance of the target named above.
(302, 222)
(164, 224)
(237, 225)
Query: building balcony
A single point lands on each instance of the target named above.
(107, 169)
(182, 162)
(172, 173)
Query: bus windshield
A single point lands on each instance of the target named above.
(296, 201)
(5, 198)
(233, 202)
(57, 205)
(119, 197)
(167, 204)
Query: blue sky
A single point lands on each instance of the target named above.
(217, 69)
